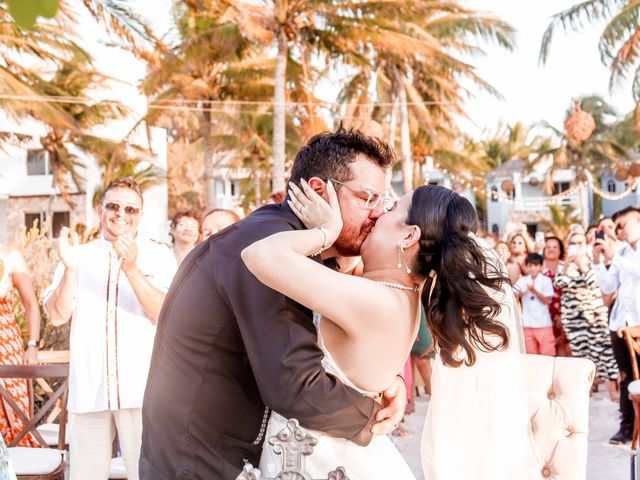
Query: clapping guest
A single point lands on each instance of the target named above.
(553, 254)
(185, 232)
(584, 315)
(14, 275)
(112, 290)
(216, 220)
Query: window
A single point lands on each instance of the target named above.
(559, 187)
(60, 219)
(494, 194)
(611, 186)
(36, 220)
(38, 162)
(233, 189)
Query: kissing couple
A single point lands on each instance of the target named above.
(265, 321)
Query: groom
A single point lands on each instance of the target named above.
(228, 349)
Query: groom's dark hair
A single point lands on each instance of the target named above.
(329, 154)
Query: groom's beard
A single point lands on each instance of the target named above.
(350, 240)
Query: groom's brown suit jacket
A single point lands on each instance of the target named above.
(228, 350)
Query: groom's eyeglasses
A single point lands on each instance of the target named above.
(372, 199)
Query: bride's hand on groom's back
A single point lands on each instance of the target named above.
(393, 401)
(314, 211)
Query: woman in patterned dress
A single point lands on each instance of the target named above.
(584, 315)
(15, 275)
(553, 254)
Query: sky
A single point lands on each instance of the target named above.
(531, 92)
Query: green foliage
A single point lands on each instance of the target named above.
(26, 12)
(562, 217)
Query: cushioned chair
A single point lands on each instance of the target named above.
(38, 463)
(633, 344)
(558, 390)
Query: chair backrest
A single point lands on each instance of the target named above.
(633, 345)
(558, 390)
(56, 399)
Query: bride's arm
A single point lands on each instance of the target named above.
(280, 261)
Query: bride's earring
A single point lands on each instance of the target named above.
(401, 259)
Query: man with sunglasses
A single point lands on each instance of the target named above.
(112, 289)
(229, 350)
(622, 277)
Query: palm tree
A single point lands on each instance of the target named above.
(26, 91)
(603, 149)
(414, 48)
(296, 30)
(209, 63)
(23, 55)
(562, 217)
(619, 44)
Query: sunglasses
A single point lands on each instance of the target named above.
(115, 207)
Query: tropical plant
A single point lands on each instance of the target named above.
(210, 62)
(59, 102)
(562, 218)
(296, 30)
(601, 150)
(414, 48)
(619, 44)
(598, 151)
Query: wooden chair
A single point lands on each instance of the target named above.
(633, 345)
(38, 463)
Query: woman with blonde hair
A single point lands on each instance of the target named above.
(519, 247)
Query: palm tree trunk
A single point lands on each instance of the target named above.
(279, 114)
(209, 179)
(393, 121)
(256, 181)
(405, 140)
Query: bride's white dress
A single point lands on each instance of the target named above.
(477, 425)
(379, 460)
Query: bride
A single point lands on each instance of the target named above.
(367, 325)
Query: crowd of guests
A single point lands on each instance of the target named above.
(578, 295)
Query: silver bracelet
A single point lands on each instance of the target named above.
(325, 242)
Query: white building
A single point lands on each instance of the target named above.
(524, 203)
(612, 185)
(432, 175)
(28, 194)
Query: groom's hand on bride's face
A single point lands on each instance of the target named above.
(394, 401)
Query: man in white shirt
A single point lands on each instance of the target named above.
(112, 289)
(536, 291)
(623, 277)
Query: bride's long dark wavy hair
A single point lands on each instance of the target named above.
(461, 313)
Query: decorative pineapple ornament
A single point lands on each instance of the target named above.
(579, 125)
(622, 173)
(508, 186)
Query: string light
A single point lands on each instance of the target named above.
(546, 201)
